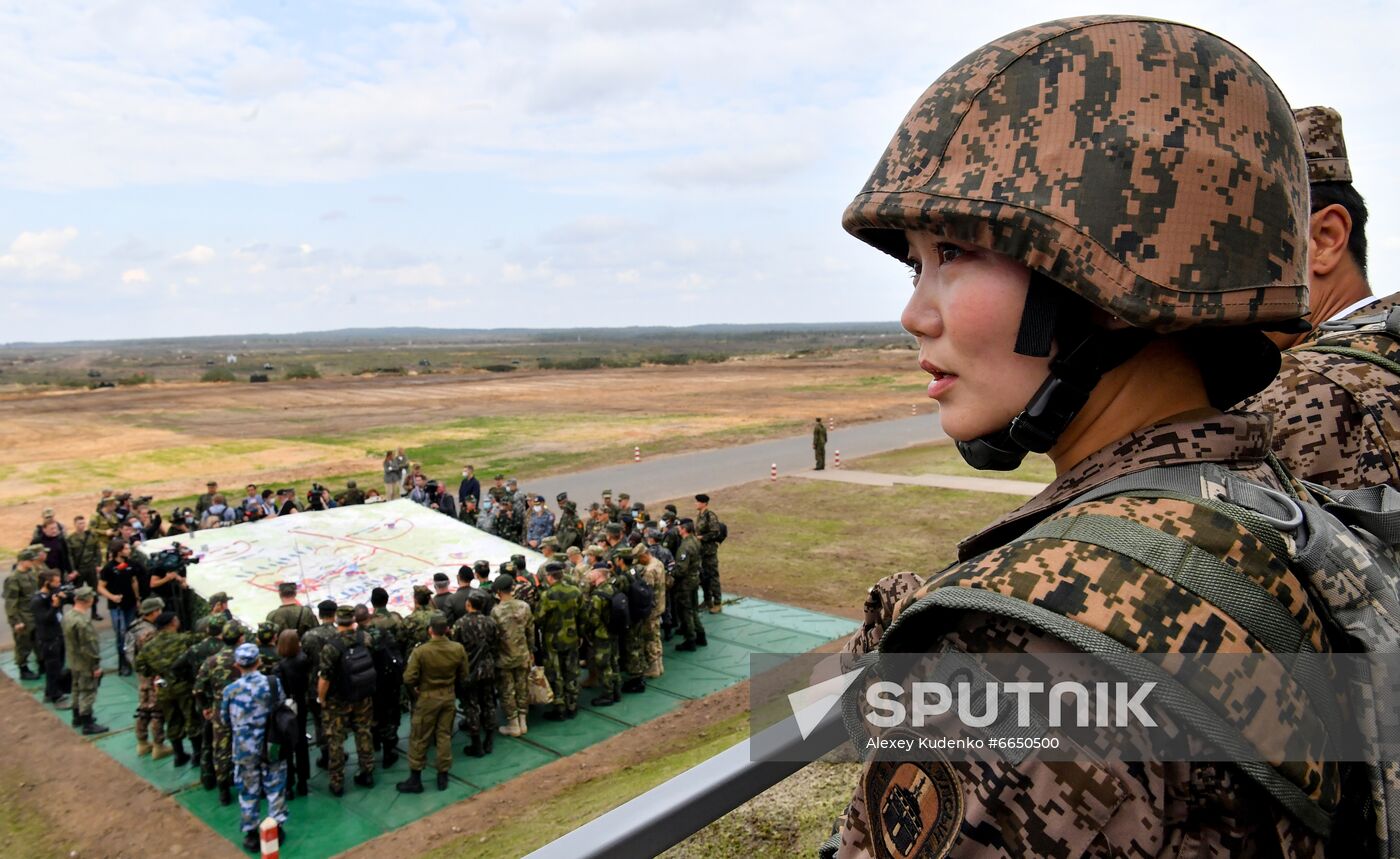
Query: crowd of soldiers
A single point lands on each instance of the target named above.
(608, 595)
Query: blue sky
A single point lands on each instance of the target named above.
(220, 168)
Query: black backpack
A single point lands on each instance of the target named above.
(619, 618)
(723, 534)
(640, 598)
(357, 677)
(388, 660)
(283, 726)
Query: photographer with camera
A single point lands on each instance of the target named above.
(166, 577)
(117, 582)
(46, 607)
(319, 498)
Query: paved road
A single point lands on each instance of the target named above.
(685, 474)
(1023, 488)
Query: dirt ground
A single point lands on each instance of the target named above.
(62, 447)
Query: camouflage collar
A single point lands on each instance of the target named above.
(1376, 305)
(1231, 437)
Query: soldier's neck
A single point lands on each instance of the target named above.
(1157, 383)
(1328, 296)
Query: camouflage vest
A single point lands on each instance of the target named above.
(558, 614)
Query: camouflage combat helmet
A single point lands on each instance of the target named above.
(267, 632)
(1150, 168)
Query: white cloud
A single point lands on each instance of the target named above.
(135, 275)
(39, 255)
(197, 255)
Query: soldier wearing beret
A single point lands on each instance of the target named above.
(707, 529)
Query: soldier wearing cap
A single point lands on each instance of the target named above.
(442, 592)
(85, 551)
(558, 620)
(291, 614)
(84, 660)
(514, 658)
(569, 531)
(312, 643)
(218, 606)
(415, 627)
(1336, 399)
(432, 676)
(149, 719)
(209, 684)
(246, 707)
(159, 659)
(345, 707)
(608, 506)
(707, 529)
(352, 495)
(479, 636)
(20, 587)
(206, 500)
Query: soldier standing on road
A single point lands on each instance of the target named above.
(434, 671)
(84, 659)
(513, 661)
(291, 614)
(478, 634)
(688, 571)
(557, 617)
(707, 528)
(346, 693)
(20, 588)
(246, 706)
(819, 444)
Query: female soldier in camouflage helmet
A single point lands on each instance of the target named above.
(1103, 215)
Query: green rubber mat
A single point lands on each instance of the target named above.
(320, 825)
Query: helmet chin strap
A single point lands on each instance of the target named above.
(1085, 355)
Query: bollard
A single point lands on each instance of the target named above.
(267, 831)
(838, 459)
(914, 409)
(636, 454)
(830, 424)
(773, 472)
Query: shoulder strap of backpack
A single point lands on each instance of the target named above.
(1341, 333)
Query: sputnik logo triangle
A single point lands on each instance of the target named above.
(810, 705)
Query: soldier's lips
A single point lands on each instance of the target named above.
(940, 384)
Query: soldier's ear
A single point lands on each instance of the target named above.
(1329, 230)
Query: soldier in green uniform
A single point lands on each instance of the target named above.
(347, 700)
(569, 531)
(434, 671)
(1103, 216)
(214, 676)
(598, 612)
(478, 634)
(819, 444)
(645, 652)
(187, 667)
(312, 643)
(708, 530)
(513, 659)
(158, 660)
(85, 548)
(291, 614)
(557, 619)
(218, 607)
(20, 587)
(687, 608)
(414, 630)
(352, 495)
(267, 647)
(84, 659)
(149, 720)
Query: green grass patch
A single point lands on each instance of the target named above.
(23, 828)
(941, 457)
(523, 833)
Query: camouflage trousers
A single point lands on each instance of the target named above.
(24, 646)
(220, 751)
(644, 649)
(176, 710)
(561, 667)
(84, 691)
(149, 719)
(431, 723)
(258, 778)
(478, 706)
(341, 718)
(709, 577)
(604, 667)
(514, 684)
(687, 609)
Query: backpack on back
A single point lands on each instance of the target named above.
(388, 660)
(619, 618)
(640, 598)
(356, 679)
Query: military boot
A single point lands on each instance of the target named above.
(143, 747)
(160, 751)
(252, 841)
(555, 715)
(26, 673)
(364, 779)
(181, 758)
(510, 728)
(474, 750)
(488, 741)
(520, 725)
(413, 784)
(702, 640)
(442, 781)
(91, 726)
(225, 794)
(606, 700)
(687, 646)
(77, 720)
(391, 755)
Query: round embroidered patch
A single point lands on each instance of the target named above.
(915, 808)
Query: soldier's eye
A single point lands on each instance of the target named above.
(915, 269)
(949, 252)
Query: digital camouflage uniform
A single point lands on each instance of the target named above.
(513, 657)
(707, 529)
(175, 699)
(687, 608)
(214, 676)
(20, 588)
(603, 666)
(149, 719)
(1105, 155)
(344, 717)
(644, 641)
(479, 636)
(557, 618)
(84, 656)
(1336, 399)
(245, 707)
(434, 671)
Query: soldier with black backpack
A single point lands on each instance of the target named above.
(389, 666)
(345, 692)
